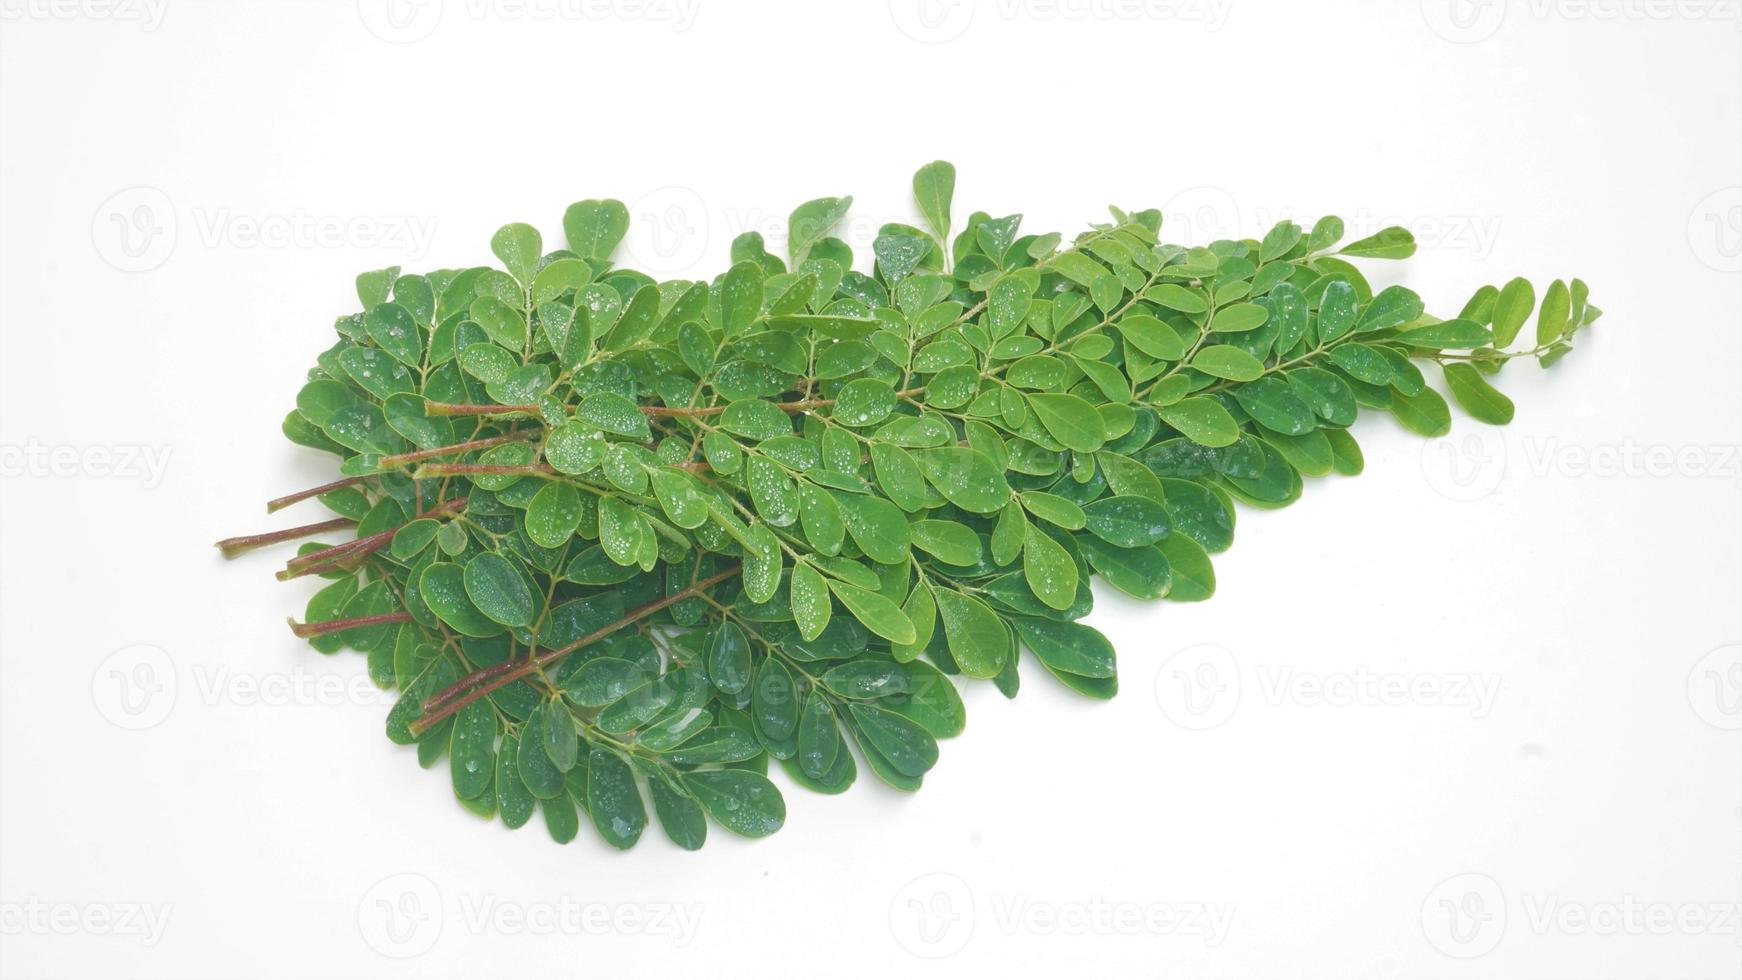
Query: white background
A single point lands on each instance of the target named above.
(1582, 566)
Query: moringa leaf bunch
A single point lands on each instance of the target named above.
(622, 542)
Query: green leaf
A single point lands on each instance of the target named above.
(1068, 647)
(1126, 521)
(745, 803)
(756, 419)
(442, 586)
(740, 297)
(728, 658)
(680, 815)
(966, 478)
(811, 222)
(594, 228)
(863, 402)
(1230, 363)
(1203, 421)
(1517, 298)
(1388, 243)
(1424, 414)
(1551, 319)
(906, 746)
(1477, 396)
(395, 331)
(679, 498)
(878, 614)
(1070, 420)
(1393, 307)
(1194, 579)
(605, 680)
(933, 186)
(1447, 335)
(616, 414)
(553, 515)
(1273, 404)
(1141, 572)
(762, 563)
(472, 750)
(810, 601)
(1053, 509)
(877, 526)
(951, 542)
(1337, 312)
(519, 247)
(613, 800)
(1239, 318)
(1049, 570)
(819, 738)
(975, 635)
(498, 590)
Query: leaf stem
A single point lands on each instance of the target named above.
(451, 408)
(307, 630)
(301, 495)
(449, 702)
(231, 547)
(458, 447)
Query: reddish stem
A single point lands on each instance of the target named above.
(300, 495)
(450, 408)
(231, 547)
(306, 630)
(458, 447)
(449, 702)
(328, 559)
(481, 469)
